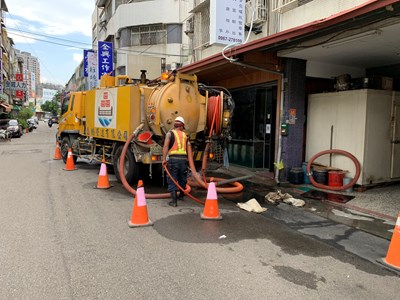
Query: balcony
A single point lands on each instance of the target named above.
(101, 3)
(282, 6)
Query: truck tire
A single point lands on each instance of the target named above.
(65, 145)
(131, 169)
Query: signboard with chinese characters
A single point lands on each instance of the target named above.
(227, 21)
(105, 58)
(14, 85)
(106, 108)
(90, 68)
(1, 69)
(33, 85)
(19, 93)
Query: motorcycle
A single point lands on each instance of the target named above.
(5, 135)
(31, 126)
(52, 120)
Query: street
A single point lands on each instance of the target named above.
(63, 239)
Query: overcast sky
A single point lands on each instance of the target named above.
(54, 31)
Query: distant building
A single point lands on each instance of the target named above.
(31, 73)
(48, 95)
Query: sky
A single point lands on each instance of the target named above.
(54, 31)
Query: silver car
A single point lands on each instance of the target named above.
(15, 128)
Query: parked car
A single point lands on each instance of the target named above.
(53, 120)
(15, 128)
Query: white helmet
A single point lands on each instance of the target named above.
(180, 120)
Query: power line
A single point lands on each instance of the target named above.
(47, 36)
(46, 41)
(37, 56)
(84, 48)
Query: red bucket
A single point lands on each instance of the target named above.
(335, 178)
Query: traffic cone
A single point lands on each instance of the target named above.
(57, 152)
(392, 258)
(70, 165)
(139, 216)
(103, 182)
(210, 211)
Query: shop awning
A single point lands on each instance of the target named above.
(7, 107)
(16, 107)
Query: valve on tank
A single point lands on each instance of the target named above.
(143, 76)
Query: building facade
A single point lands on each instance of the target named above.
(147, 35)
(297, 49)
(289, 51)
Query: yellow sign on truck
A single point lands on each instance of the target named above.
(97, 123)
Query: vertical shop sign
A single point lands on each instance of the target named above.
(19, 93)
(227, 21)
(90, 68)
(105, 58)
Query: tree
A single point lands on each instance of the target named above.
(24, 114)
(54, 105)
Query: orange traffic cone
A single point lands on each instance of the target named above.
(211, 207)
(139, 216)
(103, 182)
(57, 152)
(392, 258)
(70, 165)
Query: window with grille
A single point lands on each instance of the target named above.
(149, 35)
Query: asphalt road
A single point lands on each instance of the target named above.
(63, 239)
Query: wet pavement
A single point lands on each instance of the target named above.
(362, 225)
(374, 210)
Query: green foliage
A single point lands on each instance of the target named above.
(54, 105)
(23, 115)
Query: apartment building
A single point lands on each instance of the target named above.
(146, 35)
(295, 53)
(31, 74)
(277, 58)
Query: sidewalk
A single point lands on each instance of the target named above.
(374, 211)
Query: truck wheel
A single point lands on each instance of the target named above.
(65, 145)
(131, 170)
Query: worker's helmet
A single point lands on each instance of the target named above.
(179, 121)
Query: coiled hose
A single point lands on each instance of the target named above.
(334, 188)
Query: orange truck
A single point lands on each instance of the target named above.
(96, 124)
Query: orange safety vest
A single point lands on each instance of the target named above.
(179, 146)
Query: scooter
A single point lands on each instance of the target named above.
(5, 135)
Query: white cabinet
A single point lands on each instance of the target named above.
(357, 121)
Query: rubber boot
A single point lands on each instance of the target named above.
(174, 201)
(180, 195)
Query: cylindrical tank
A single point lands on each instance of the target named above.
(179, 97)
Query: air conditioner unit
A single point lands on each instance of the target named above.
(256, 9)
(189, 26)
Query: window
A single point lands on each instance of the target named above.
(149, 35)
(64, 107)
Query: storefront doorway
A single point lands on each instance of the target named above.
(253, 127)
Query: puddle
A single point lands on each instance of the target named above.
(350, 217)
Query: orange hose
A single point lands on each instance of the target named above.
(237, 187)
(214, 114)
(126, 184)
(334, 188)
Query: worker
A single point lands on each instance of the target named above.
(176, 146)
